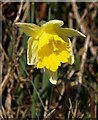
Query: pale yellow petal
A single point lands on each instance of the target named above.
(71, 59)
(30, 29)
(51, 26)
(68, 32)
(32, 53)
(54, 22)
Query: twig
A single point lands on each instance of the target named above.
(83, 29)
(27, 8)
(4, 3)
(5, 81)
(50, 113)
(78, 18)
(59, 99)
(60, 93)
(70, 20)
(2, 113)
(70, 74)
(18, 41)
(19, 12)
(47, 115)
(86, 44)
(6, 56)
(83, 60)
(92, 49)
(72, 110)
(8, 103)
(46, 108)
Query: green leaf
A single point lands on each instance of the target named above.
(77, 63)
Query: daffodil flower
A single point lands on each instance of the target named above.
(49, 46)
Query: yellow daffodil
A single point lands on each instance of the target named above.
(49, 46)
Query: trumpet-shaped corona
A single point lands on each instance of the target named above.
(49, 46)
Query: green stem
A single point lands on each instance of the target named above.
(36, 96)
(34, 99)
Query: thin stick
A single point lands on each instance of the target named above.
(27, 8)
(19, 12)
(6, 56)
(50, 113)
(5, 81)
(83, 59)
(86, 44)
(83, 29)
(78, 18)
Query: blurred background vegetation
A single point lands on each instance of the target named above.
(25, 91)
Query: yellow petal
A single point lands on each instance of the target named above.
(32, 54)
(50, 62)
(29, 29)
(68, 32)
(50, 58)
(44, 39)
(47, 58)
(52, 76)
(53, 62)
